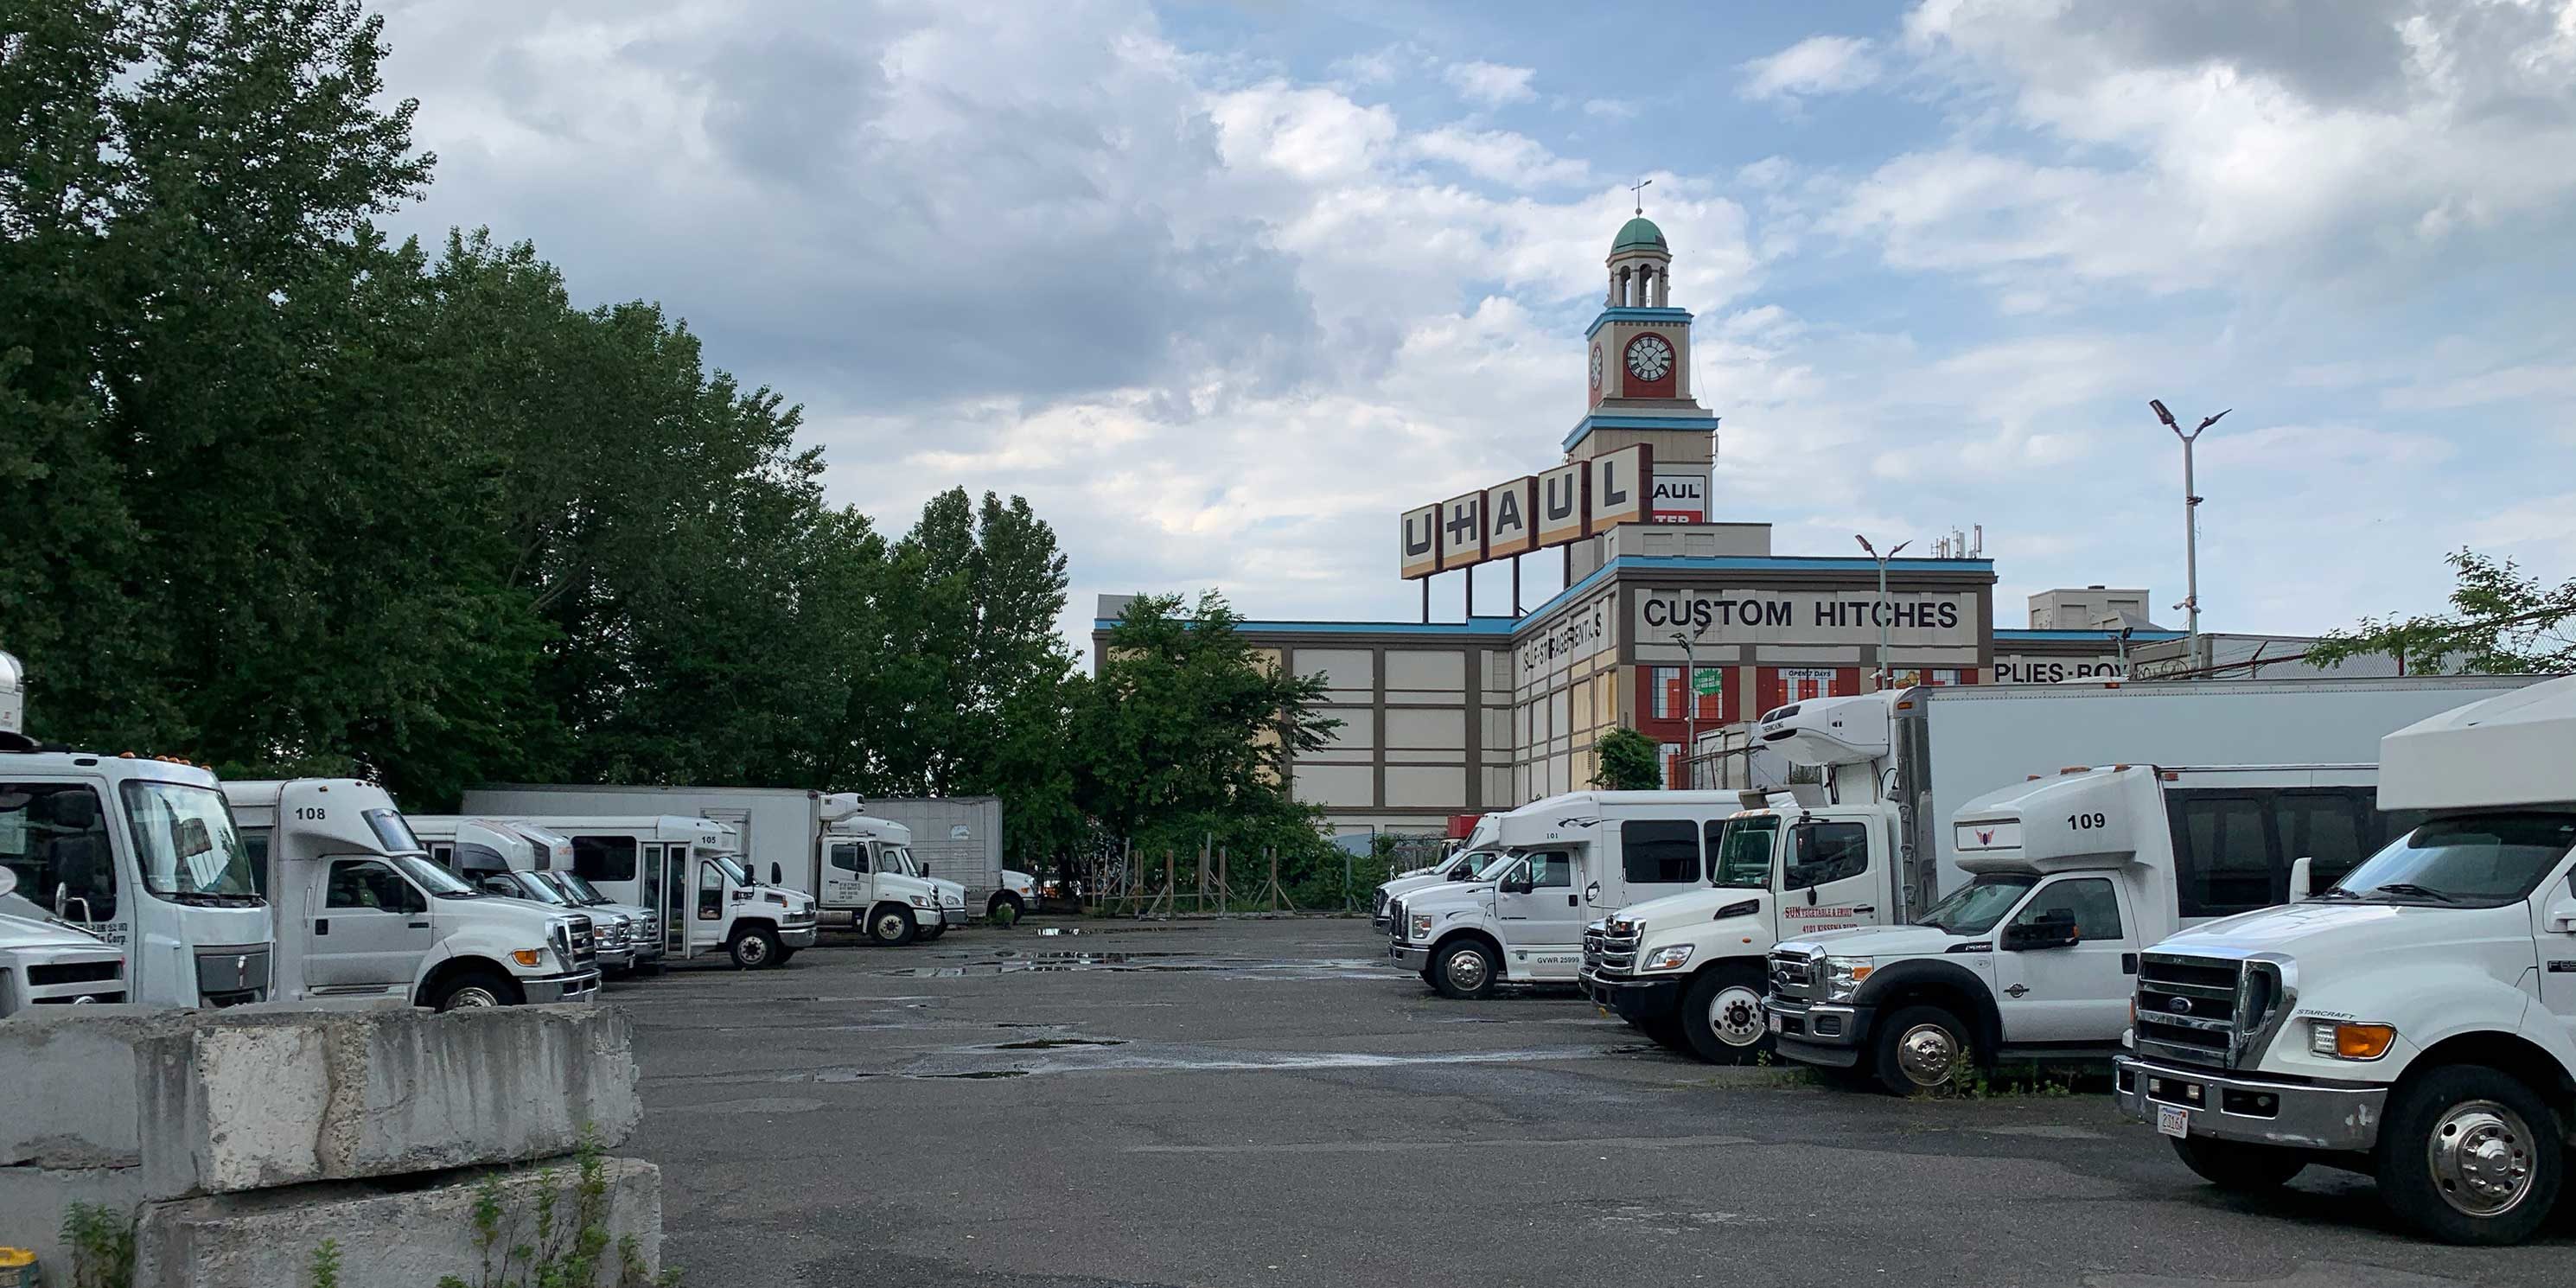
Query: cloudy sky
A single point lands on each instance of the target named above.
(1223, 286)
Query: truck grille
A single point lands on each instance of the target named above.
(1793, 976)
(73, 973)
(2210, 1011)
(585, 948)
(1395, 918)
(1611, 946)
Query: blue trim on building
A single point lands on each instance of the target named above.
(1508, 626)
(1623, 313)
(2020, 636)
(1612, 420)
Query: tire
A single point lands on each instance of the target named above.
(2237, 1167)
(2469, 1155)
(786, 955)
(891, 924)
(1721, 1016)
(1007, 899)
(1465, 969)
(935, 931)
(754, 948)
(473, 989)
(1667, 1033)
(1915, 1049)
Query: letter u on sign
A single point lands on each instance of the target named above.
(1418, 551)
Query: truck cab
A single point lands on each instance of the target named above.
(366, 914)
(519, 861)
(2417, 1019)
(1569, 860)
(1687, 968)
(1461, 864)
(2070, 876)
(867, 871)
(46, 963)
(691, 871)
(896, 858)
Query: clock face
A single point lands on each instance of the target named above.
(1596, 368)
(1649, 357)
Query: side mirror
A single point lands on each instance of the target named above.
(2562, 914)
(775, 873)
(2054, 929)
(2300, 879)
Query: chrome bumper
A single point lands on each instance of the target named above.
(616, 959)
(579, 987)
(953, 916)
(1818, 1033)
(1410, 957)
(796, 936)
(2304, 1115)
(923, 917)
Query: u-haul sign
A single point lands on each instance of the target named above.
(1678, 498)
(1575, 500)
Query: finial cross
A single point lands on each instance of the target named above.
(1639, 188)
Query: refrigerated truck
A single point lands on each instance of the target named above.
(1872, 844)
(959, 838)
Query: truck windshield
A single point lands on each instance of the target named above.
(726, 864)
(1974, 908)
(435, 879)
(187, 846)
(579, 888)
(1744, 853)
(899, 858)
(2478, 861)
(535, 886)
(1485, 865)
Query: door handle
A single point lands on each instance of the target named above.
(420, 925)
(2128, 963)
(321, 925)
(1570, 902)
(1867, 907)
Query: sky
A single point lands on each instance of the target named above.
(1222, 286)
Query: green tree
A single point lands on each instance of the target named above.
(1629, 762)
(2503, 622)
(1186, 731)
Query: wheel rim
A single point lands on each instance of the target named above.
(472, 995)
(1926, 1054)
(1735, 1015)
(2480, 1154)
(890, 926)
(1467, 969)
(754, 950)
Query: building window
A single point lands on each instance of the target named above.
(1666, 682)
(1673, 769)
(1909, 677)
(1801, 683)
(1945, 675)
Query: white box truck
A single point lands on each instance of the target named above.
(1872, 844)
(2416, 1020)
(959, 838)
(783, 832)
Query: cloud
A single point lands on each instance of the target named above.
(1610, 109)
(1490, 84)
(1499, 155)
(1816, 65)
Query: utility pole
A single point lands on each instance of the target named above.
(2190, 527)
(1690, 698)
(1884, 613)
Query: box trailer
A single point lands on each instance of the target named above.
(956, 838)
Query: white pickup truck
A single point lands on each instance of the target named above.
(2071, 876)
(1479, 849)
(2415, 1021)
(46, 963)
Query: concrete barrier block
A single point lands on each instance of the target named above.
(388, 1237)
(183, 1103)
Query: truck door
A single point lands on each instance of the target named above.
(1542, 927)
(675, 899)
(2078, 992)
(648, 882)
(371, 928)
(1832, 874)
(845, 875)
(2556, 897)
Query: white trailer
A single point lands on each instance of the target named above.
(954, 838)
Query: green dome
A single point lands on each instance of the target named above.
(1639, 231)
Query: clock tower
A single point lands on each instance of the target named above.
(1638, 363)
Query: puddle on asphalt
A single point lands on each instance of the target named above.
(1105, 1055)
(1049, 1044)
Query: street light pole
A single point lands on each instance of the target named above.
(1878, 679)
(1690, 703)
(2190, 526)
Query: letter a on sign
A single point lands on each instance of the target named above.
(1462, 531)
(1420, 552)
(1619, 482)
(1508, 519)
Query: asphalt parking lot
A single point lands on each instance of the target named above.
(1272, 1103)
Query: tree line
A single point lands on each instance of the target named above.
(288, 496)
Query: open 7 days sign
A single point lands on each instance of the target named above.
(1566, 504)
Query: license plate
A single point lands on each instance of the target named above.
(2173, 1120)
(1775, 1023)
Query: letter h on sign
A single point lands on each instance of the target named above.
(1462, 531)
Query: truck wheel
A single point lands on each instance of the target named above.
(1721, 1015)
(935, 931)
(1666, 1030)
(2469, 1155)
(891, 924)
(754, 948)
(475, 988)
(1917, 1049)
(1007, 899)
(2236, 1166)
(1464, 968)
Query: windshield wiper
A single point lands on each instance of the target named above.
(463, 894)
(2333, 892)
(2423, 892)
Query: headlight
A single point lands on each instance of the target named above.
(1668, 958)
(1843, 976)
(1418, 926)
(920, 901)
(2344, 1040)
